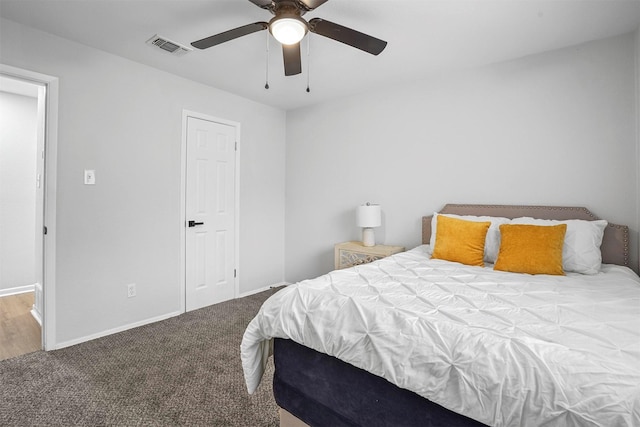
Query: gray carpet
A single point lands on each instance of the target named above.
(184, 371)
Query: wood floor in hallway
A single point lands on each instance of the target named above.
(19, 331)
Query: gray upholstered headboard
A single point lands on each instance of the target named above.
(615, 243)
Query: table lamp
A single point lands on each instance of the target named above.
(368, 216)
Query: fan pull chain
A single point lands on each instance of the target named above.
(266, 85)
(308, 61)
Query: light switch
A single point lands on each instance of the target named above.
(89, 177)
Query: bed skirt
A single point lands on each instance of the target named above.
(321, 390)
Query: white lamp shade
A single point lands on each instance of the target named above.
(369, 216)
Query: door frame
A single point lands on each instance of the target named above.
(50, 172)
(183, 202)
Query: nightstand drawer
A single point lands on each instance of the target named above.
(348, 254)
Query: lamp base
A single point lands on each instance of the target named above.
(368, 237)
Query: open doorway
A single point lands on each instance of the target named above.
(43, 305)
(22, 124)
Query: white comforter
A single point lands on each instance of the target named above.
(505, 349)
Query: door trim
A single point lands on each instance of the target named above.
(50, 174)
(183, 203)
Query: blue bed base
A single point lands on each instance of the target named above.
(324, 391)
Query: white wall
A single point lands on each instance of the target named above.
(18, 124)
(556, 128)
(124, 120)
(638, 134)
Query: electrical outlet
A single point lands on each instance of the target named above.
(131, 290)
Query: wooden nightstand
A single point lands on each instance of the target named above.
(348, 254)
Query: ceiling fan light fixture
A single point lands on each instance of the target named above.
(288, 27)
(288, 30)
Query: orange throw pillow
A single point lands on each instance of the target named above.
(460, 241)
(531, 249)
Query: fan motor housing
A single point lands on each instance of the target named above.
(288, 8)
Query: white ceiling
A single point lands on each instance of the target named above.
(425, 37)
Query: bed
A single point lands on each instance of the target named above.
(415, 340)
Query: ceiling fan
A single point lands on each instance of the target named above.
(289, 28)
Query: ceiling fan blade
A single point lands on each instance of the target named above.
(292, 61)
(311, 4)
(346, 35)
(230, 35)
(265, 4)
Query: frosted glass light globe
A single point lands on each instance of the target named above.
(288, 30)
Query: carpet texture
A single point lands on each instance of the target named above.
(184, 371)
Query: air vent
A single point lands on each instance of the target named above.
(167, 45)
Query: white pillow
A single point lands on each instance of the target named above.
(581, 249)
(491, 243)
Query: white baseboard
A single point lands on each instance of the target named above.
(277, 285)
(147, 321)
(17, 290)
(116, 330)
(265, 288)
(36, 315)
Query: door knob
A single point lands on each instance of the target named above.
(193, 223)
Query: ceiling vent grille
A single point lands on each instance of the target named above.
(167, 45)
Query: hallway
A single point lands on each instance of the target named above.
(19, 331)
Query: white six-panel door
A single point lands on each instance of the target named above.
(210, 213)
